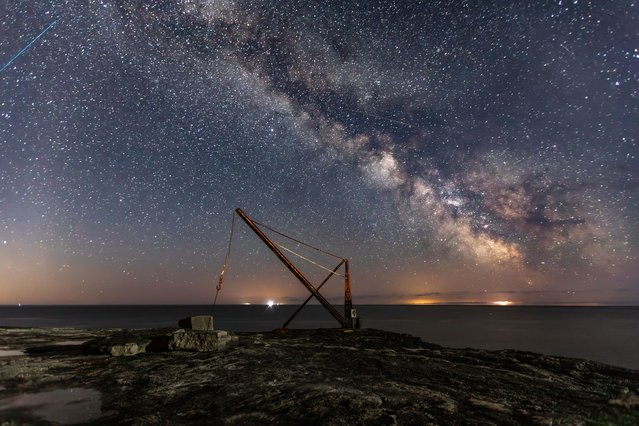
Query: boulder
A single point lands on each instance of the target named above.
(125, 343)
(126, 349)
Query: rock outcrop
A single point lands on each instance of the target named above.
(302, 377)
(128, 343)
(200, 341)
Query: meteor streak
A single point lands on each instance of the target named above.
(17, 55)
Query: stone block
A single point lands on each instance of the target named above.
(200, 323)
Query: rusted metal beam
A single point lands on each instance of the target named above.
(330, 308)
(311, 296)
(348, 299)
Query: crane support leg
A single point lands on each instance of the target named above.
(349, 313)
(311, 296)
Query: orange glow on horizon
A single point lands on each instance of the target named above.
(423, 302)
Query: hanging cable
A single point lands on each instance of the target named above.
(298, 241)
(228, 254)
(226, 261)
(308, 260)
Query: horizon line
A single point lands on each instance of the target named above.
(490, 304)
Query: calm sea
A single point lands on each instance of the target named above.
(605, 334)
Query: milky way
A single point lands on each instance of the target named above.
(455, 151)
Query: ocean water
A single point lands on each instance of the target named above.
(605, 334)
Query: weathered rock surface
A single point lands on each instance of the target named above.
(314, 377)
(200, 341)
(128, 343)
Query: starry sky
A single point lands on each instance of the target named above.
(454, 151)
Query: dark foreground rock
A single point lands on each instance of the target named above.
(302, 377)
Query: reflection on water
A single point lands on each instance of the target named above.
(70, 342)
(10, 352)
(63, 406)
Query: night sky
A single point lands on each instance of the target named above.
(455, 152)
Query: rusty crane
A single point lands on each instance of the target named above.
(348, 320)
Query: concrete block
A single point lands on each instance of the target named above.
(200, 323)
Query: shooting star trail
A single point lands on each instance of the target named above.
(17, 55)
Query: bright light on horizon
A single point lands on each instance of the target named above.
(270, 303)
(422, 302)
(502, 303)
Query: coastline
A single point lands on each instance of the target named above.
(325, 376)
(605, 334)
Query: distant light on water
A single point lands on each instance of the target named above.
(270, 303)
(502, 303)
(422, 302)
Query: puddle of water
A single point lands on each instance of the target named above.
(64, 406)
(70, 342)
(10, 352)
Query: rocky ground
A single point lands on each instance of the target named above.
(300, 377)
